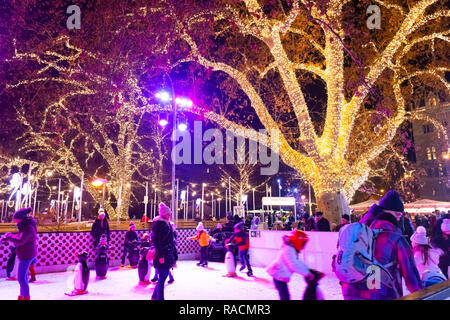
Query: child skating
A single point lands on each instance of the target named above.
(288, 263)
(241, 240)
(203, 240)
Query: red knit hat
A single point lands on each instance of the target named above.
(298, 238)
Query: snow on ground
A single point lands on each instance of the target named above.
(191, 283)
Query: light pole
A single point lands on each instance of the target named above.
(203, 197)
(101, 183)
(253, 190)
(165, 97)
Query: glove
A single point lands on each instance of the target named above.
(314, 275)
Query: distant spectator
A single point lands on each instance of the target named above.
(255, 222)
(308, 222)
(320, 223)
(344, 221)
(99, 227)
(441, 240)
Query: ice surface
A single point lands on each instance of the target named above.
(191, 283)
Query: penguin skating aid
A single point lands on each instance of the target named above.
(102, 261)
(81, 276)
(144, 267)
(230, 264)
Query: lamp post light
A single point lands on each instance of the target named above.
(97, 183)
(165, 97)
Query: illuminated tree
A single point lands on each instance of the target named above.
(276, 53)
(368, 76)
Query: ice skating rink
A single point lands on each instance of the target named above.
(191, 283)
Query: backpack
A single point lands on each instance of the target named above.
(356, 244)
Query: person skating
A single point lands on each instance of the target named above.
(26, 247)
(100, 227)
(287, 263)
(427, 258)
(241, 240)
(392, 251)
(130, 236)
(163, 241)
(203, 240)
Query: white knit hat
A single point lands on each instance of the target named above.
(200, 227)
(420, 236)
(445, 226)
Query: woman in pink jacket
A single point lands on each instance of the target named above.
(288, 263)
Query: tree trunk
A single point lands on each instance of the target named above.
(333, 205)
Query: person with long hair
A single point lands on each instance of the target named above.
(426, 258)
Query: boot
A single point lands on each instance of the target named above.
(241, 268)
(26, 298)
(32, 273)
(250, 272)
(20, 298)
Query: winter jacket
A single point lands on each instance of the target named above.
(391, 247)
(309, 225)
(240, 239)
(26, 240)
(322, 225)
(99, 228)
(287, 263)
(432, 262)
(130, 236)
(203, 238)
(164, 243)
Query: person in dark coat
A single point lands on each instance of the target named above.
(164, 242)
(344, 221)
(307, 222)
(228, 225)
(26, 247)
(321, 224)
(99, 227)
(130, 236)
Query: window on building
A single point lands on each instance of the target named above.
(433, 153)
(427, 128)
(428, 153)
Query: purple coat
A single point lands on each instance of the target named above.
(391, 246)
(26, 240)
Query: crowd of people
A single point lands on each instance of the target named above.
(417, 252)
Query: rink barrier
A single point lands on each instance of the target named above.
(57, 250)
(439, 291)
(317, 254)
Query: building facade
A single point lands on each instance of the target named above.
(431, 149)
